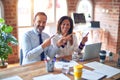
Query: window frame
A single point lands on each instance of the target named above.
(1, 10)
(32, 15)
(91, 13)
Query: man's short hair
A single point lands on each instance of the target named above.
(40, 13)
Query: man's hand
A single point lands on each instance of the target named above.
(47, 42)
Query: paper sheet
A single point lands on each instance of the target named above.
(44, 77)
(52, 77)
(59, 64)
(13, 78)
(92, 75)
(60, 77)
(103, 69)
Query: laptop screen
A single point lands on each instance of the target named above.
(92, 51)
(79, 18)
(95, 24)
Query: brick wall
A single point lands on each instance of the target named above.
(107, 12)
(118, 43)
(72, 4)
(110, 21)
(11, 19)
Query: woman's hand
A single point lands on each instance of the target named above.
(85, 39)
(62, 42)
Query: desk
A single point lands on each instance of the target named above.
(27, 72)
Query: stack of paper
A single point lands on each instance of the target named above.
(59, 64)
(52, 77)
(13, 78)
(103, 69)
(90, 75)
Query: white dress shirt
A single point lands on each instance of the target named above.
(68, 49)
(32, 49)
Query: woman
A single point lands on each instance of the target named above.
(65, 32)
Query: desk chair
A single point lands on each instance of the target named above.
(21, 56)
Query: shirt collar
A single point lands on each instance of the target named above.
(35, 31)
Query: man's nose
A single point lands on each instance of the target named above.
(41, 24)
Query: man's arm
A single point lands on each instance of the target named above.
(29, 51)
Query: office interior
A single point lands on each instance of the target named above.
(106, 12)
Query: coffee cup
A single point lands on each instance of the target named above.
(102, 55)
(78, 72)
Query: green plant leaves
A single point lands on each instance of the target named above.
(5, 39)
(8, 29)
(5, 51)
(12, 39)
(2, 20)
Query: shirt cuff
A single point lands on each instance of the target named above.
(81, 46)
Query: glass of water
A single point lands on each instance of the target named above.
(65, 69)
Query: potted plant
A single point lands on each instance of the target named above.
(6, 40)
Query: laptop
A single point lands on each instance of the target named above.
(95, 24)
(91, 51)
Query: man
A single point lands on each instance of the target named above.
(37, 44)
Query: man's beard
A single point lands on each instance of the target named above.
(40, 28)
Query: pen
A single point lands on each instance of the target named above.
(87, 34)
(52, 36)
(103, 77)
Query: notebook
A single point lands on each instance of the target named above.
(91, 51)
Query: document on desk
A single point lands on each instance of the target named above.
(103, 69)
(13, 78)
(60, 76)
(59, 64)
(92, 75)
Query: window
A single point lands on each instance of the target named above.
(85, 6)
(1, 10)
(28, 8)
(24, 13)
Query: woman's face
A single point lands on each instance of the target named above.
(65, 26)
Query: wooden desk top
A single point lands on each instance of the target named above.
(27, 72)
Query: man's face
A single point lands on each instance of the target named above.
(40, 23)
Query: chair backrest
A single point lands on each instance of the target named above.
(21, 56)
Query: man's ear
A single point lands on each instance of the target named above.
(33, 20)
